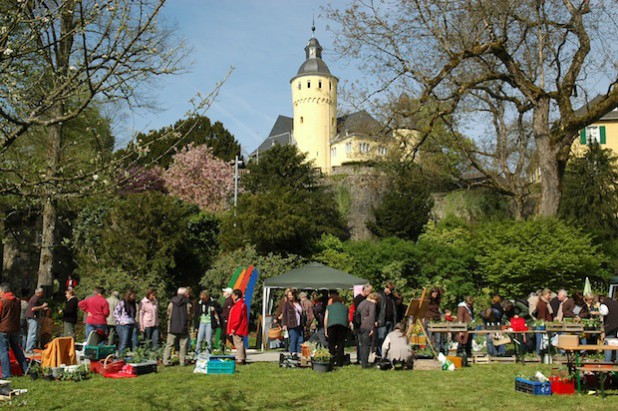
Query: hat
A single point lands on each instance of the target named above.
(227, 290)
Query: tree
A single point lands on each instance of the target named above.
(159, 146)
(57, 58)
(545, 58)
(405, 207)
(285, 207)
(198, 177)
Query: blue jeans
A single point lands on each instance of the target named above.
(151, 335)
(204, 332)
(93, 327)
(10, 341)
(33, 333)
(296, 339)
(125, 336)
(492, 349)
(382, 333)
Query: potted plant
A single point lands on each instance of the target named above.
(539, 325)
(322, 360)
(35, 370)
(48, 374)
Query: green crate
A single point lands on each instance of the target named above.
(218, 366)
(98, 352)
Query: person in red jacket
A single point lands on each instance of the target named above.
(96, 308)
(238, 325)
(10, 310)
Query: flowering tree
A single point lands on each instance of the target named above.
(198, 177)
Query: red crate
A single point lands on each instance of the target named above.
(562, 387)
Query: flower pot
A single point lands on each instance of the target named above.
(322, 366)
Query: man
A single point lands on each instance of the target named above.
(609, 310)
(10, 308)
(178, 320)
(225, 314)
(97, 311)
(112, 302)
(33, 316)
(238, 325)
(359, 298)
(556, 304)
(387, 316)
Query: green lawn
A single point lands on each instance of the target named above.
(264, 385)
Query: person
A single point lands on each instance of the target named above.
(238, 325)
(178, 320)
(448, 316)
(336, 319)
(96, 308)
(292, 319)
(465, 314)
(556, 304)
(592, 308)
(401, 307)
(396, 347)
(490, 320)
(69, 313)
(359, 298)
(149, 318)
(10, 308)
(533, 300)
(544, 312)
(439, 340)
(367, 311)
(609, 310)
(387, 315)
(308, 310)
(112, 301)
(125, 313)
(496, 306)
(317, 306)
(33, 314)
(71, 283)
(207, 318)
(225, 315)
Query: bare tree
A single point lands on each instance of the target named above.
(59, 56)
(546, 57)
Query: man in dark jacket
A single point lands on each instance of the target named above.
(387, 316)
(609, 310)
(178, 320)
(10, 310)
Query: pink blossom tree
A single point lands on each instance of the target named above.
(198, 177)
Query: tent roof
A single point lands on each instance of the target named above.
(316, 276)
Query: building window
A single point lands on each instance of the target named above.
(593, 134)
(382, 151)
(364, 147)
(301, 119)
(333, 152)
(309, 84)
(319, 84)
(330, 85)
(348, 147)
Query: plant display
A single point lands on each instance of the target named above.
(322, 355)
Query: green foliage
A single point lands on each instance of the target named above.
(158, 146)
(405, 207)
(285, 207)
(475, 205)
(518, 257)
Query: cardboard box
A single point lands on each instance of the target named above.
(568, 340)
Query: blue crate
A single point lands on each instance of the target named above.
(221, 364)
(532, 387)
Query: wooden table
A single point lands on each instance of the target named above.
(574, 365)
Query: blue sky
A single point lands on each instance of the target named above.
(263, 40)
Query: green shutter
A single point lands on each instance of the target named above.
(582, 136)
(603, 138)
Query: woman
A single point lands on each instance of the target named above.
(124, 313)
(149, 318)
(207, 318)
(465, 315)
(69, 313)
(543, 313)
(396, 347)
(292, 320)
(489, 321)
(367, 310)
(434, 313)
(336, 319)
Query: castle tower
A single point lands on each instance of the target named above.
(314, 97)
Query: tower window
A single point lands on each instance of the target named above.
(301, 119)
(299, 85)
(319, 84)
(308, 84)
(330, 85)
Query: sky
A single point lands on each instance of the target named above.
(263, 40)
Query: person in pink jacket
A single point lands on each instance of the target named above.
(96, 308)
(149, 318)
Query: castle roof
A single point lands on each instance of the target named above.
(281, 134)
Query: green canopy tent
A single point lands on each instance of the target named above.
(314, 276)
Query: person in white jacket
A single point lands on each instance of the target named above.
(396, 347)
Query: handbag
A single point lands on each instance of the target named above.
(274, 333)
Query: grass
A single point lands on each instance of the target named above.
(266, 386)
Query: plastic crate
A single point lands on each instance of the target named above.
(221, 366)
(532, 387)
(98, 352)
(144, 367)
(562, 387)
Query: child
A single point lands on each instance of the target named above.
(448, 316)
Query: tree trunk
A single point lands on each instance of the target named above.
(551, 180)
